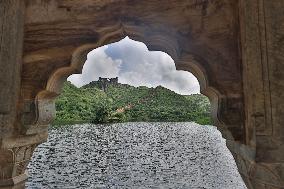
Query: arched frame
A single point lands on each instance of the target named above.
(156, 42)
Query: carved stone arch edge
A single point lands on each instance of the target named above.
(187, 62)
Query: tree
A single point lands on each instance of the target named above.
(103, 112)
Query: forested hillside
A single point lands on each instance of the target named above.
(121, 103)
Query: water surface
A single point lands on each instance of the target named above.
(134, 155)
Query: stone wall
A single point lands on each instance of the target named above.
(105, 82)
(262, 31)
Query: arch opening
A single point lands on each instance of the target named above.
(157, 42)
(130, 63)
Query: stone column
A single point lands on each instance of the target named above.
(11, 45)
(14, 153)
(262, 34)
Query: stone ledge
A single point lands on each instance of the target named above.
(24, 140)
(271, 174)
(262, 175)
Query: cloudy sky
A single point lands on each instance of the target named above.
(133, 64)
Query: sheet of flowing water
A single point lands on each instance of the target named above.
(134, 155)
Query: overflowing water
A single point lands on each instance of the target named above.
(134, 155)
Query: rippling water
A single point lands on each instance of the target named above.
(134, 155)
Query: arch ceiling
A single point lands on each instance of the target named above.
(64, 39)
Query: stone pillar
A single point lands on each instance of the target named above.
(14, 153)
(11, 45)
(262, 34)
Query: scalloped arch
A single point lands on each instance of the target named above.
(155, 42)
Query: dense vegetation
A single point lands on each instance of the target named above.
(121, 103)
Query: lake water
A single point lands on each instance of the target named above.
(134, 155)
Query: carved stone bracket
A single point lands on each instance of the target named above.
(231, 114)
(13, 163)
(38, 115)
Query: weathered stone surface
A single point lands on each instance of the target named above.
(234, 47)
(262, 32)
(11, 43)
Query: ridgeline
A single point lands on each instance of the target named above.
(108, 102)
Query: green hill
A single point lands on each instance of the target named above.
(121, 103)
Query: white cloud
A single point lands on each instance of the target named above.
(135, 65)
(98, 64)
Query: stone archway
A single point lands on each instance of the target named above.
(215, 40)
